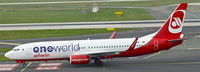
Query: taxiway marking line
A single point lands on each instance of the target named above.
(151, 55)
(133, 58)
(50, 64)
(47, 68)
(5, 43)
(170, 63)
(192, 33)
(7, 69)
(8, 65)
(183, 63)
(193, 48)
(198, 36)
(26, 67)
(194, 16)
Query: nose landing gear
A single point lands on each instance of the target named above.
(23, 63)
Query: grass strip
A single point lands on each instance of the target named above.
(13, 1)
(3, 58)
(54, 14)
(25, 34)
(5, 49)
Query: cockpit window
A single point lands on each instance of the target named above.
(16, 49)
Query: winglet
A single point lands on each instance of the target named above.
(113, 35)
(133, 44)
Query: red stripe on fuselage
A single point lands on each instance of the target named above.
(153, 46)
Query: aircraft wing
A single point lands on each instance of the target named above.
(107, 53)
(102, 54)
(113, 35)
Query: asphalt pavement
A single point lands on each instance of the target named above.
(182, 58)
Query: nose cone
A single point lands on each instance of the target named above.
(8, 55)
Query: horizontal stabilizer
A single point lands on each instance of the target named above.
(174, 40)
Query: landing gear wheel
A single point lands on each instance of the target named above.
(97, 61)
(24, 65)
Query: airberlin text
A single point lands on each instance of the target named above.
(61, 48)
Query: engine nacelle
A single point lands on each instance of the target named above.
(79, 59)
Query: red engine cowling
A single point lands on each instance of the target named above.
(79, 59)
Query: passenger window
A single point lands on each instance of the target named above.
(15, 49)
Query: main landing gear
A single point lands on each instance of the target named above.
(98, 61)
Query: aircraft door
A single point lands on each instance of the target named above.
(29, 51)
(156, 45)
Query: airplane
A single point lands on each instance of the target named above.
(85, 51)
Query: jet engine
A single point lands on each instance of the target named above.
(79, 59)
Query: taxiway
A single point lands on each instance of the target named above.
(182, 58)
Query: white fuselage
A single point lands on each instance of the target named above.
(64, 49)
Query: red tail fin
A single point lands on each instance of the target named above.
(172, 28)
